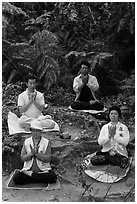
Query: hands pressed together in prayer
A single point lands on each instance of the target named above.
(32, 96)
(85, 78)
(34, 150)
(112, 132)
(38, 155)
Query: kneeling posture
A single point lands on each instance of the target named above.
(36, 155)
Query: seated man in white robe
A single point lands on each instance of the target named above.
(85, 85)
(31, 105)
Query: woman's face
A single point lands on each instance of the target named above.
(114, 116)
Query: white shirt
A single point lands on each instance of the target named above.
(118, 142)
(92, 84)
(32, 111)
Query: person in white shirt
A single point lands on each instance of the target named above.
(31, 105)
(113, 138)
(36, 155)
(85, 85)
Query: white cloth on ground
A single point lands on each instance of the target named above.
(14, 127)
(90, 111)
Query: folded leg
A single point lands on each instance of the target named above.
(80, 105)
(21, 178)
(118, 160)
(49, 177)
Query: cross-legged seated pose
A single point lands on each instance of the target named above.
(113, 138)
(31, 104)
(85, 85)
(36, 155)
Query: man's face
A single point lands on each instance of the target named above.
(84, 69)
(31, 85)
(36, 133)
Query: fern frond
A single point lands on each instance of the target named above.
(11, 9)
(6, 45)
(29, 22)
(12, 48)
(21, 60)
(47, 70)
(12, 76)
(4, 22)
(25, 68)
(44, 61)
(32, 28)
(43, 39)
(75, 53)
(40, 63)
(48, 81)
(42, 19)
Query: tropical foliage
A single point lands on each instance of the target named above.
(51, 38)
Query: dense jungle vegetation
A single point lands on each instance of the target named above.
(50, 39)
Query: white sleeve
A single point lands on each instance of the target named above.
(20, 100)
(93, 83)
(103, 136)
(76, 84)
(42, 101)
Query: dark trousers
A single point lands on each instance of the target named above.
(85, 94)
(21, 178)
(78, 105)
(83, 102)
(104, 158)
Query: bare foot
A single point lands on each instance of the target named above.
(29, 173)
(92, 102)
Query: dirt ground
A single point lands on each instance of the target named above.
(66, 193)
(71, 191)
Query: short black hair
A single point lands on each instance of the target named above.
(86, 63)
(31, 76)
(116, 108)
